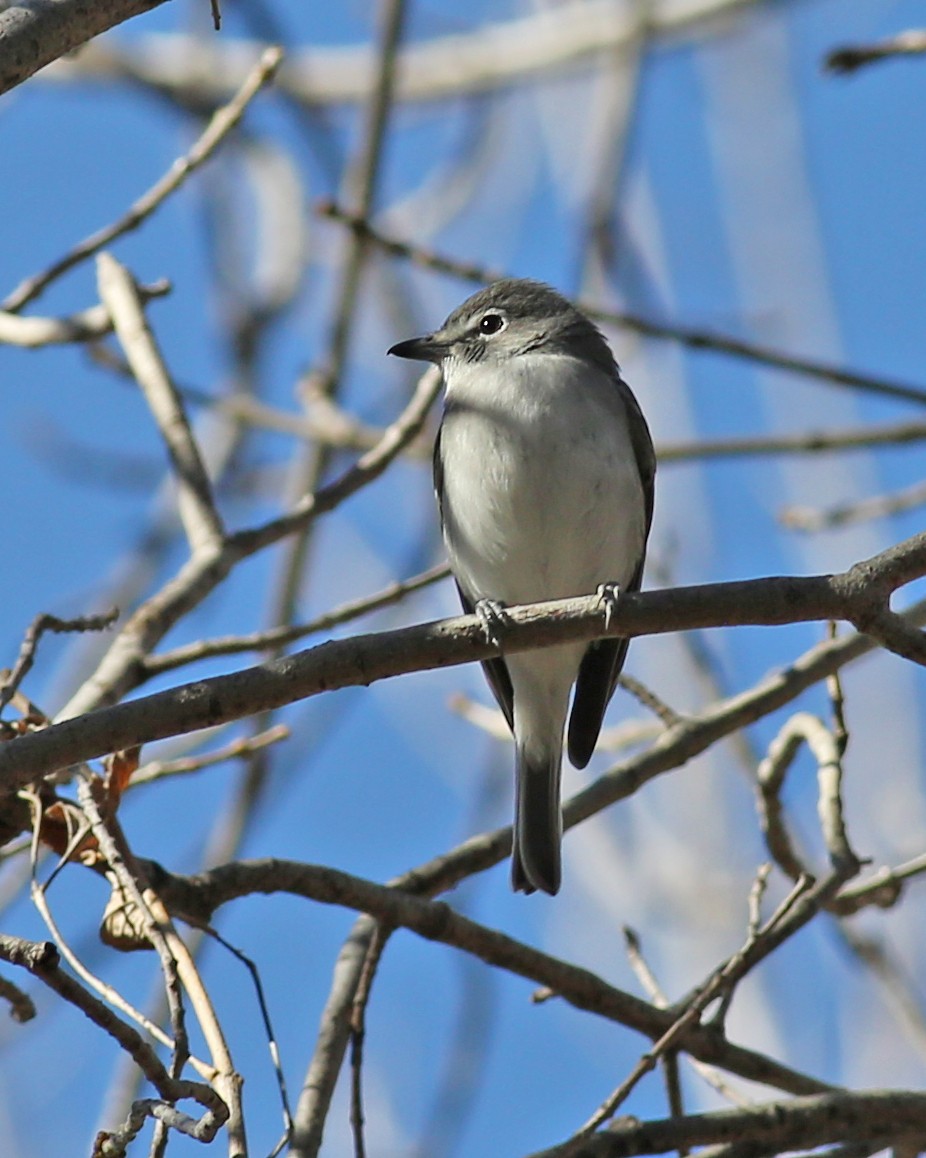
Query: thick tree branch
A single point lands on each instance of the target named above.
(33, 33)
(858, 595)
(198, 897)
(802, 1123)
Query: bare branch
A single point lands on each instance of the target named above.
(42, 623)
(851, 57)
(34, 34)
(872, 507)
(221, 124)
(280, 636)
(198, 513)
(802, 1123)
(854, 595)
(499, 54)
(86, 326)
(435, 921)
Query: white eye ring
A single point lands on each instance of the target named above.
(491, 323)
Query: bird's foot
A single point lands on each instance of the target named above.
(494, 617)
(608, 595)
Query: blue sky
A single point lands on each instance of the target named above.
(758, 196)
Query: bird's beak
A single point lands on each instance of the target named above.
(430, 348)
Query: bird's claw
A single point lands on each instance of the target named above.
(608, 595)
(492, 615)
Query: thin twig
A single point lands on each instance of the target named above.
(687, 336)
(177, 965)
(42, 961)
(272, 1045)
(723, 980)
(812, 442)
(872, 507)
(280, 636)
(358, 1032)
(185, 765)
(42, 623)
(710, 1074)
(223, 121)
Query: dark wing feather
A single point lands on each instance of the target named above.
(601, 665)
(496, 672)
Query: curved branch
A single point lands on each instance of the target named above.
(199, 896)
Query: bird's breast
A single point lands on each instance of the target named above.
(541, 492)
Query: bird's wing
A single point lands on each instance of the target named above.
(602, 663)
(496, 672)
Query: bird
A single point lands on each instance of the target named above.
(544, 474)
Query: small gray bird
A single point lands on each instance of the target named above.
(543, 469)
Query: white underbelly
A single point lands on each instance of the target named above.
(543, 500)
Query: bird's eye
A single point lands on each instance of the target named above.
(491, 324)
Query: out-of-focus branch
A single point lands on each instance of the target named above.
(688, 336)
(874, 507)
(221, 124)
(853, 56)
(494, 55)
(859, 595)
(34, 34)
(813, 442)
(86, 326)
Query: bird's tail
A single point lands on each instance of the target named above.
(538, 824)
